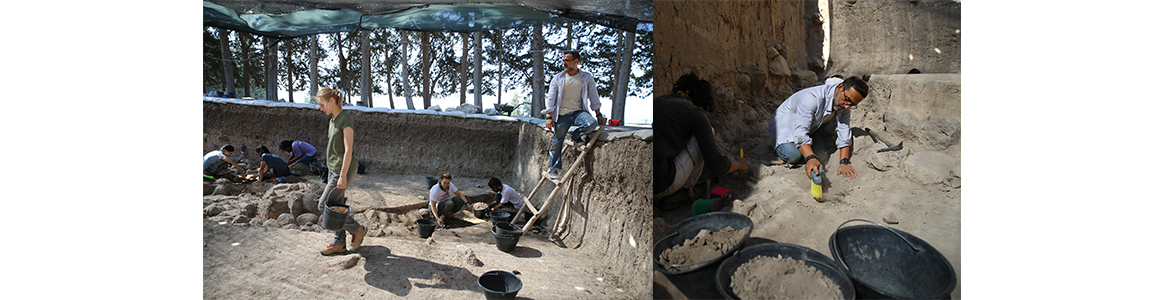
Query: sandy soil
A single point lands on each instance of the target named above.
(248, 262)
(758, 278)
(777, 199)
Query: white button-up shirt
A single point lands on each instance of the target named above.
(805, 112)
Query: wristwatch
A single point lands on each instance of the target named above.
(845, 161)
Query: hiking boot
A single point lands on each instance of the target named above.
(552, 174)
(358, 236)
(333, 249)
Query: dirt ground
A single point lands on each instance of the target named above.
(786, 212)
(248, 262)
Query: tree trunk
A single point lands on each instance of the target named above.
(479, 69)
(271, 89)
(246, 48)
(313, 70)
(229, 69)
(537, 71)
(289, 70)
(389, 72)
(366, 90)
(569, 37)
(623, 81)
(405, 72)
(426, 69)
(463, 71)
(500, 67)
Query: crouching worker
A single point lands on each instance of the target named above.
(507, 199)
(443, 203)
(684, 141)
(269, 162)
(215, 163)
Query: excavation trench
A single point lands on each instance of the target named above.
(608, 210)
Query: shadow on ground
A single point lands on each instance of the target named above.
(393, 273)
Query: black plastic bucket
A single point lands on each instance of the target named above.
(500, 216)
(508, 228)
(505, 241)
(500, 285)
(698, 281)
(887, 263)
(827, 266)
(425, 227)
(431, 182)
(481, 213)
(333, 218)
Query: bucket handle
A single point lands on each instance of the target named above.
(912, 246)
(673, 265)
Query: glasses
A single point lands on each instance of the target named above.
(849, 103)
(568, 59)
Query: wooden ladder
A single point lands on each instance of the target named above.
(564, 181)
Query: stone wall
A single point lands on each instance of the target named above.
(894, 36)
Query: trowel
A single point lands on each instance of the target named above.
(889, 146)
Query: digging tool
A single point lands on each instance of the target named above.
(889, 146)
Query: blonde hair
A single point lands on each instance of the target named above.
(328, 93)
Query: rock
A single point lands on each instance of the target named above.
(901, 123)
(208, 188)
(888, 160)
(743, 80)
(468, 108)
(317, 227)
(384, 217)
(779, 67)
(772, 53)
(929, 167)
(270, 223)
(285, 219)
(435, 108)
(221, 189)
(722, 94)
(809, 77)
(213, 210)
(449, 109)
(743, 208)
(239, 219)
(250, 210)
(306, 219)
(309, 202)
(890, 218)
(351, 261)
(289, 226)
(431, 241)
(296, 207)
(955, 171)
(491, 111)
(940, 132)
(372, 216)
(256, 222)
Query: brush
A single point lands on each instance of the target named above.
(816, 190)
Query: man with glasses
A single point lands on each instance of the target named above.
(819, 111)
(571, 96)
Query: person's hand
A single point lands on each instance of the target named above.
(548, 123)
(441, 221)
(847, 171)
(341, 182)
(739, 165)
(600, 119)
(812, 166)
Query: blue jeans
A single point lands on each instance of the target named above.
(788, 153)
(585, 123)
(336, 196)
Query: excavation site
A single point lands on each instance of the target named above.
(261, 238)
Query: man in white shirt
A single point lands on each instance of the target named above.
(507, 199)
(571, 95)
(819, 107)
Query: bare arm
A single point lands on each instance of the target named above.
(347, 158)
(465, 203)
(238, 169)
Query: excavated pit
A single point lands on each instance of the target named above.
(608, 212)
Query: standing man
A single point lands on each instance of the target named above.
(825, 107)
(567, 106)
